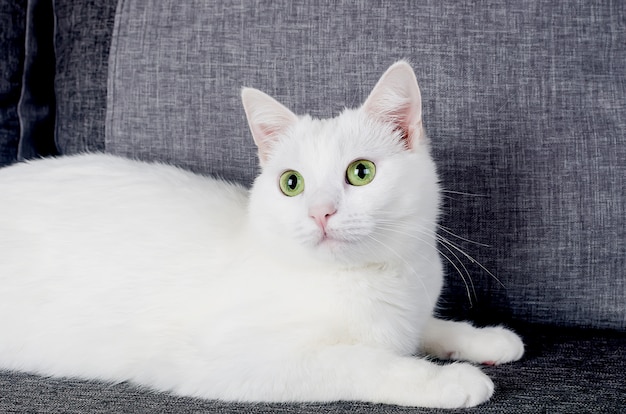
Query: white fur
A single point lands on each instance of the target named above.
(119, 270)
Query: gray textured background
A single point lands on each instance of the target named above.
(524, 102)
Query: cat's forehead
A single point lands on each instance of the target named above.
(343, 138)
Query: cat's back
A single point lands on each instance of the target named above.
(46, 181)
(78, 185)
(108, 211)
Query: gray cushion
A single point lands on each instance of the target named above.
(564, 371)
(37, 106)
(81, 41)
(524, 102)
(63, 47)
(12, 35)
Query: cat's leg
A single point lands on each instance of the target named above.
(361, 373)
(462, 341)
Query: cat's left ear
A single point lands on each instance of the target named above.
(268, 120)
(396, 99)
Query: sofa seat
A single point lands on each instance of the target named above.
(563, 371)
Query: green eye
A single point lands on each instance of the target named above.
(291, 183)
(360, 172)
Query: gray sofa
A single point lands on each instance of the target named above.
(525, 104)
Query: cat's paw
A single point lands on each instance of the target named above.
(463, 385)
(462, 341)
(491, 346)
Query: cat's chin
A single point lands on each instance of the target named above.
(344, 252)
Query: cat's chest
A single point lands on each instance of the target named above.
(367, 305)
(383, 307)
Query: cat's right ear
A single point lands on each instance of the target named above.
(396, 99)
(268, 120)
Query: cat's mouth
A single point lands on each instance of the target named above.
(330, 247)
(325, 239)
(329, 239)
(342, 240)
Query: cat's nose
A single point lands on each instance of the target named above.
(321, 213)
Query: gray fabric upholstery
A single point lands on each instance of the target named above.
(564, 371)
(60, 49)
(12, 35)
(524, 102)
(81, 40)
(37, 106)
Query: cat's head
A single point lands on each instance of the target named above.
(358, 188)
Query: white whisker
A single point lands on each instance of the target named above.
(449, 245)
(469, 277)
(470, 258)
(408, 265)
(454, 265)
(448, 231)
(463, 194)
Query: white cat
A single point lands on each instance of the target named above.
(318, 284)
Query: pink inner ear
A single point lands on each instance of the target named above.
(267, 130)
(396, 99)
(401, 118)
(264, 137)
(404, 136)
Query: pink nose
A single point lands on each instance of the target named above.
(322, 213)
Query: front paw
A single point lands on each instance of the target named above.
(493, 346)
(463, 385)
(462, 341)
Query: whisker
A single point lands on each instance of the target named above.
(392, 226)
(463, 193)
(454, 265)
(470, 258)
(413, 271)
(467, 288)
(465, 254)
(448, 231)
(466, 272)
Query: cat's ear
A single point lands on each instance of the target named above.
(396, 99)
(268, 120)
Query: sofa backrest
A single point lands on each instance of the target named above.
(524, 102)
